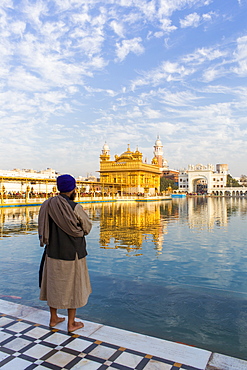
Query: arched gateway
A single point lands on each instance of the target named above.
(203, 179)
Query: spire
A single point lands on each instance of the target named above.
(105, 153)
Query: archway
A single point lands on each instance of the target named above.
(200, 185)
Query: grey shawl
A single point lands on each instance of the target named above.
(62, 214)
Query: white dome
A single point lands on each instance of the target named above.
(105, 147)
(158, 142)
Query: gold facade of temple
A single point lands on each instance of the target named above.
(128, 173)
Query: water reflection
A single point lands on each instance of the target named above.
(127, 225)
(18, 220)
(205, 213)
(130, 224)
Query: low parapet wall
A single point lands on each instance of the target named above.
(38, 201)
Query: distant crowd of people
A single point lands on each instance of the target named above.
(32, 194)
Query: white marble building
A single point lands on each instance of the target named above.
(206, 178)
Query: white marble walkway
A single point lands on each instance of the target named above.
(26, 342)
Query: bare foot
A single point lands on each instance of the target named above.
(75, 326)
(56, 321)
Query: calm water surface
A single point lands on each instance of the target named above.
(173, 269)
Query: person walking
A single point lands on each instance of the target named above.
(64, 278)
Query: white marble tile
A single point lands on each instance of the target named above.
(60, 359)
(4, 336)
(3, 355)
(17, 344)
(38, 351)
(157, 347)
(128, 359)
(4, 321)
(86, 364)
(102, 352)
(57, 338)
(18, 327)
(16, 364)
(156, 365)
(78, 344)
(227, 363)
(37, 332)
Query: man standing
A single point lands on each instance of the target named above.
(62, 227)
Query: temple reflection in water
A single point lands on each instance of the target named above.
(128, 225)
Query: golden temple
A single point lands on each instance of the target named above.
(128, 174)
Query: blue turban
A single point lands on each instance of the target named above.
(66, 183)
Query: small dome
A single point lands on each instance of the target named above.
(105, 147)
(158, 142)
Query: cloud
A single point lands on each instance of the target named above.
(20, 79)
(241, 56)
(166, 25)
(212, 74)
(81, 18)
(127, 46)
(208, 16)
(117, 28)
(180, 98)
(194, 19)
(152, 113)
(168, 71)
(18, 27)
(7, 4)
(203, 54)
(191, 20)
(34, 12)
(98, 90)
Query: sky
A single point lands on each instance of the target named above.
(75, 74)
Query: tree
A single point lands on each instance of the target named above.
(243, 179)
(231, 182)
(166, 183)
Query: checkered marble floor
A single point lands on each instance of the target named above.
(26, 343)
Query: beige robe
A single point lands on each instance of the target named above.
(66, 284)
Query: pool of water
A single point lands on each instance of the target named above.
(173, 269)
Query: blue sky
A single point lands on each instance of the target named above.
(74, 74)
